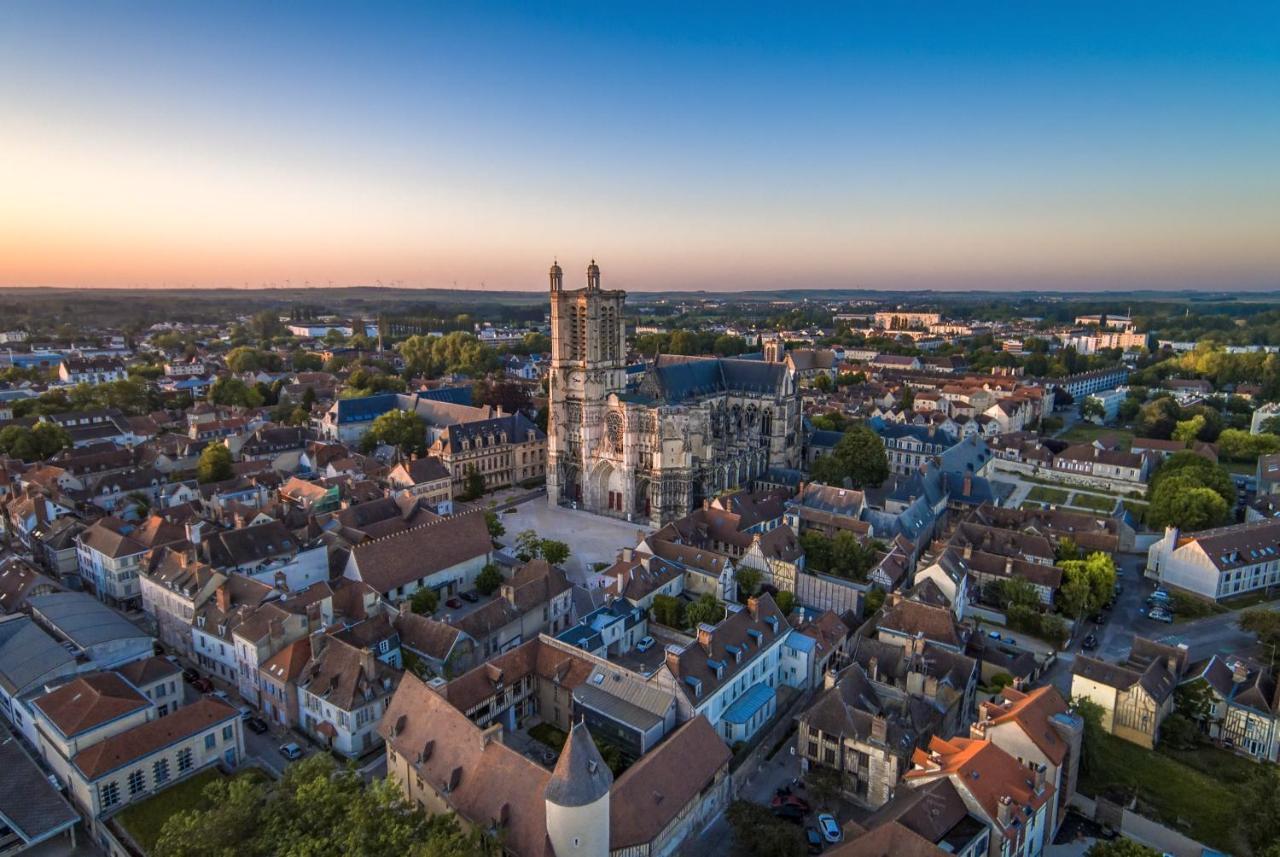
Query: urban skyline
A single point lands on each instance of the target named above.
(1085, 147)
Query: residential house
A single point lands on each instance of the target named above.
(1221, 562)
(425, 477)
(342, 693)
(1136, 695)
(1244, 715)
(537, 598)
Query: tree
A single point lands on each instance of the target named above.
(1259, 806)
(528, 545)
(1188, 430)
(489, 579)
(416, 351)
(822, 383)
(494, 523)
(1087, 583)
(667, 610)
(1263, 622)
(1065, 549)
(1182, 502)
(786, 601)
(232, 392)
(1158, 418)
(858, 457)
(748, 581)
(554, 552)
(472, 484)
(214, 464)
(1177, 731)
(404, 430)
(1092, 409)
(706, 609)
(424, 601)
(756, 833)
(1094, 735)
(1120, 847)
(1020, 591)
(40, 442)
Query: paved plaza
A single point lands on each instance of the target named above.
(591, 538)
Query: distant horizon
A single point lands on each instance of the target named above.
(1076, 147)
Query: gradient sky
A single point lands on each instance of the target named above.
(876, 145)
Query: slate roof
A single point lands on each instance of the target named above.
(28, 654)
(581, 777)
(29, 804)
(673, 379)
(83, 619)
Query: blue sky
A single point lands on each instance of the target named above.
(724, 147)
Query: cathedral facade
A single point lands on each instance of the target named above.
(695, 427)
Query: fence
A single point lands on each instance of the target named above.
(1138, 827)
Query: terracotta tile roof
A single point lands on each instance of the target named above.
(888, 840)
(913, 618)
(392, 561)
(425, 635)
(143, 672)
(145, 739)
(1032, 712)
(478, 776)
(663, 782)
(90, 701)
(536, 657)
(286, 665)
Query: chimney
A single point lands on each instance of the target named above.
(753, 607)
(282, 582)
(627, 554)
(1171, 662)
(1239, 672)
(1038, 772)
(1008, 565)
(873, 668)
(1004, 811)
(968, 551)
(673, 659)
(829, 679)
(222, 598)
(967, 488)
(368, 663)
(194, 531)
(704, 636)
(706, 504)
(879, 729)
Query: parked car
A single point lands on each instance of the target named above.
(645, 644)
(291, 751)
(1161, 615)
(995, 635)
(220, 694)
(245, 712)
(790, 800)
(1090, 643)
(256, 725)
(813, 839)
(830, 828)
(471, 596)
(453, 604)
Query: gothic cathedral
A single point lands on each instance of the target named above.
(694, 427)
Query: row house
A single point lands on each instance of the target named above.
(427, 478)
(1136, 695)
(505, 450)
(111, 552)
(342, 692)
(1219, 563)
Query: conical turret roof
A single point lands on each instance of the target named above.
(581, 777)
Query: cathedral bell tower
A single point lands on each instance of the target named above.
(588, 362)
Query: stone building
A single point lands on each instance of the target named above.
(695, 426)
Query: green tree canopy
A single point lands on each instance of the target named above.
(41, 441)
(404, 430)
(316, 809)
(858, 457)
(489, 579)
(214, 464)
(232, 392)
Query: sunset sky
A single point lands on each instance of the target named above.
(876, 145)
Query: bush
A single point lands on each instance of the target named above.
(488, 580)
(424, 601)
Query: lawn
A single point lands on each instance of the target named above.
(1198, 800)
(1094, 503)
(1041, 494)
(143, 821)
(1088, 432)
(549, 734)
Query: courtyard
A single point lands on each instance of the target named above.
(591, 538)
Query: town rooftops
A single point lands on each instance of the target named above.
(392, 561)
(1033, 712)
(141, 741)
(89, 701)
(82, 619)
(1238, 545)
